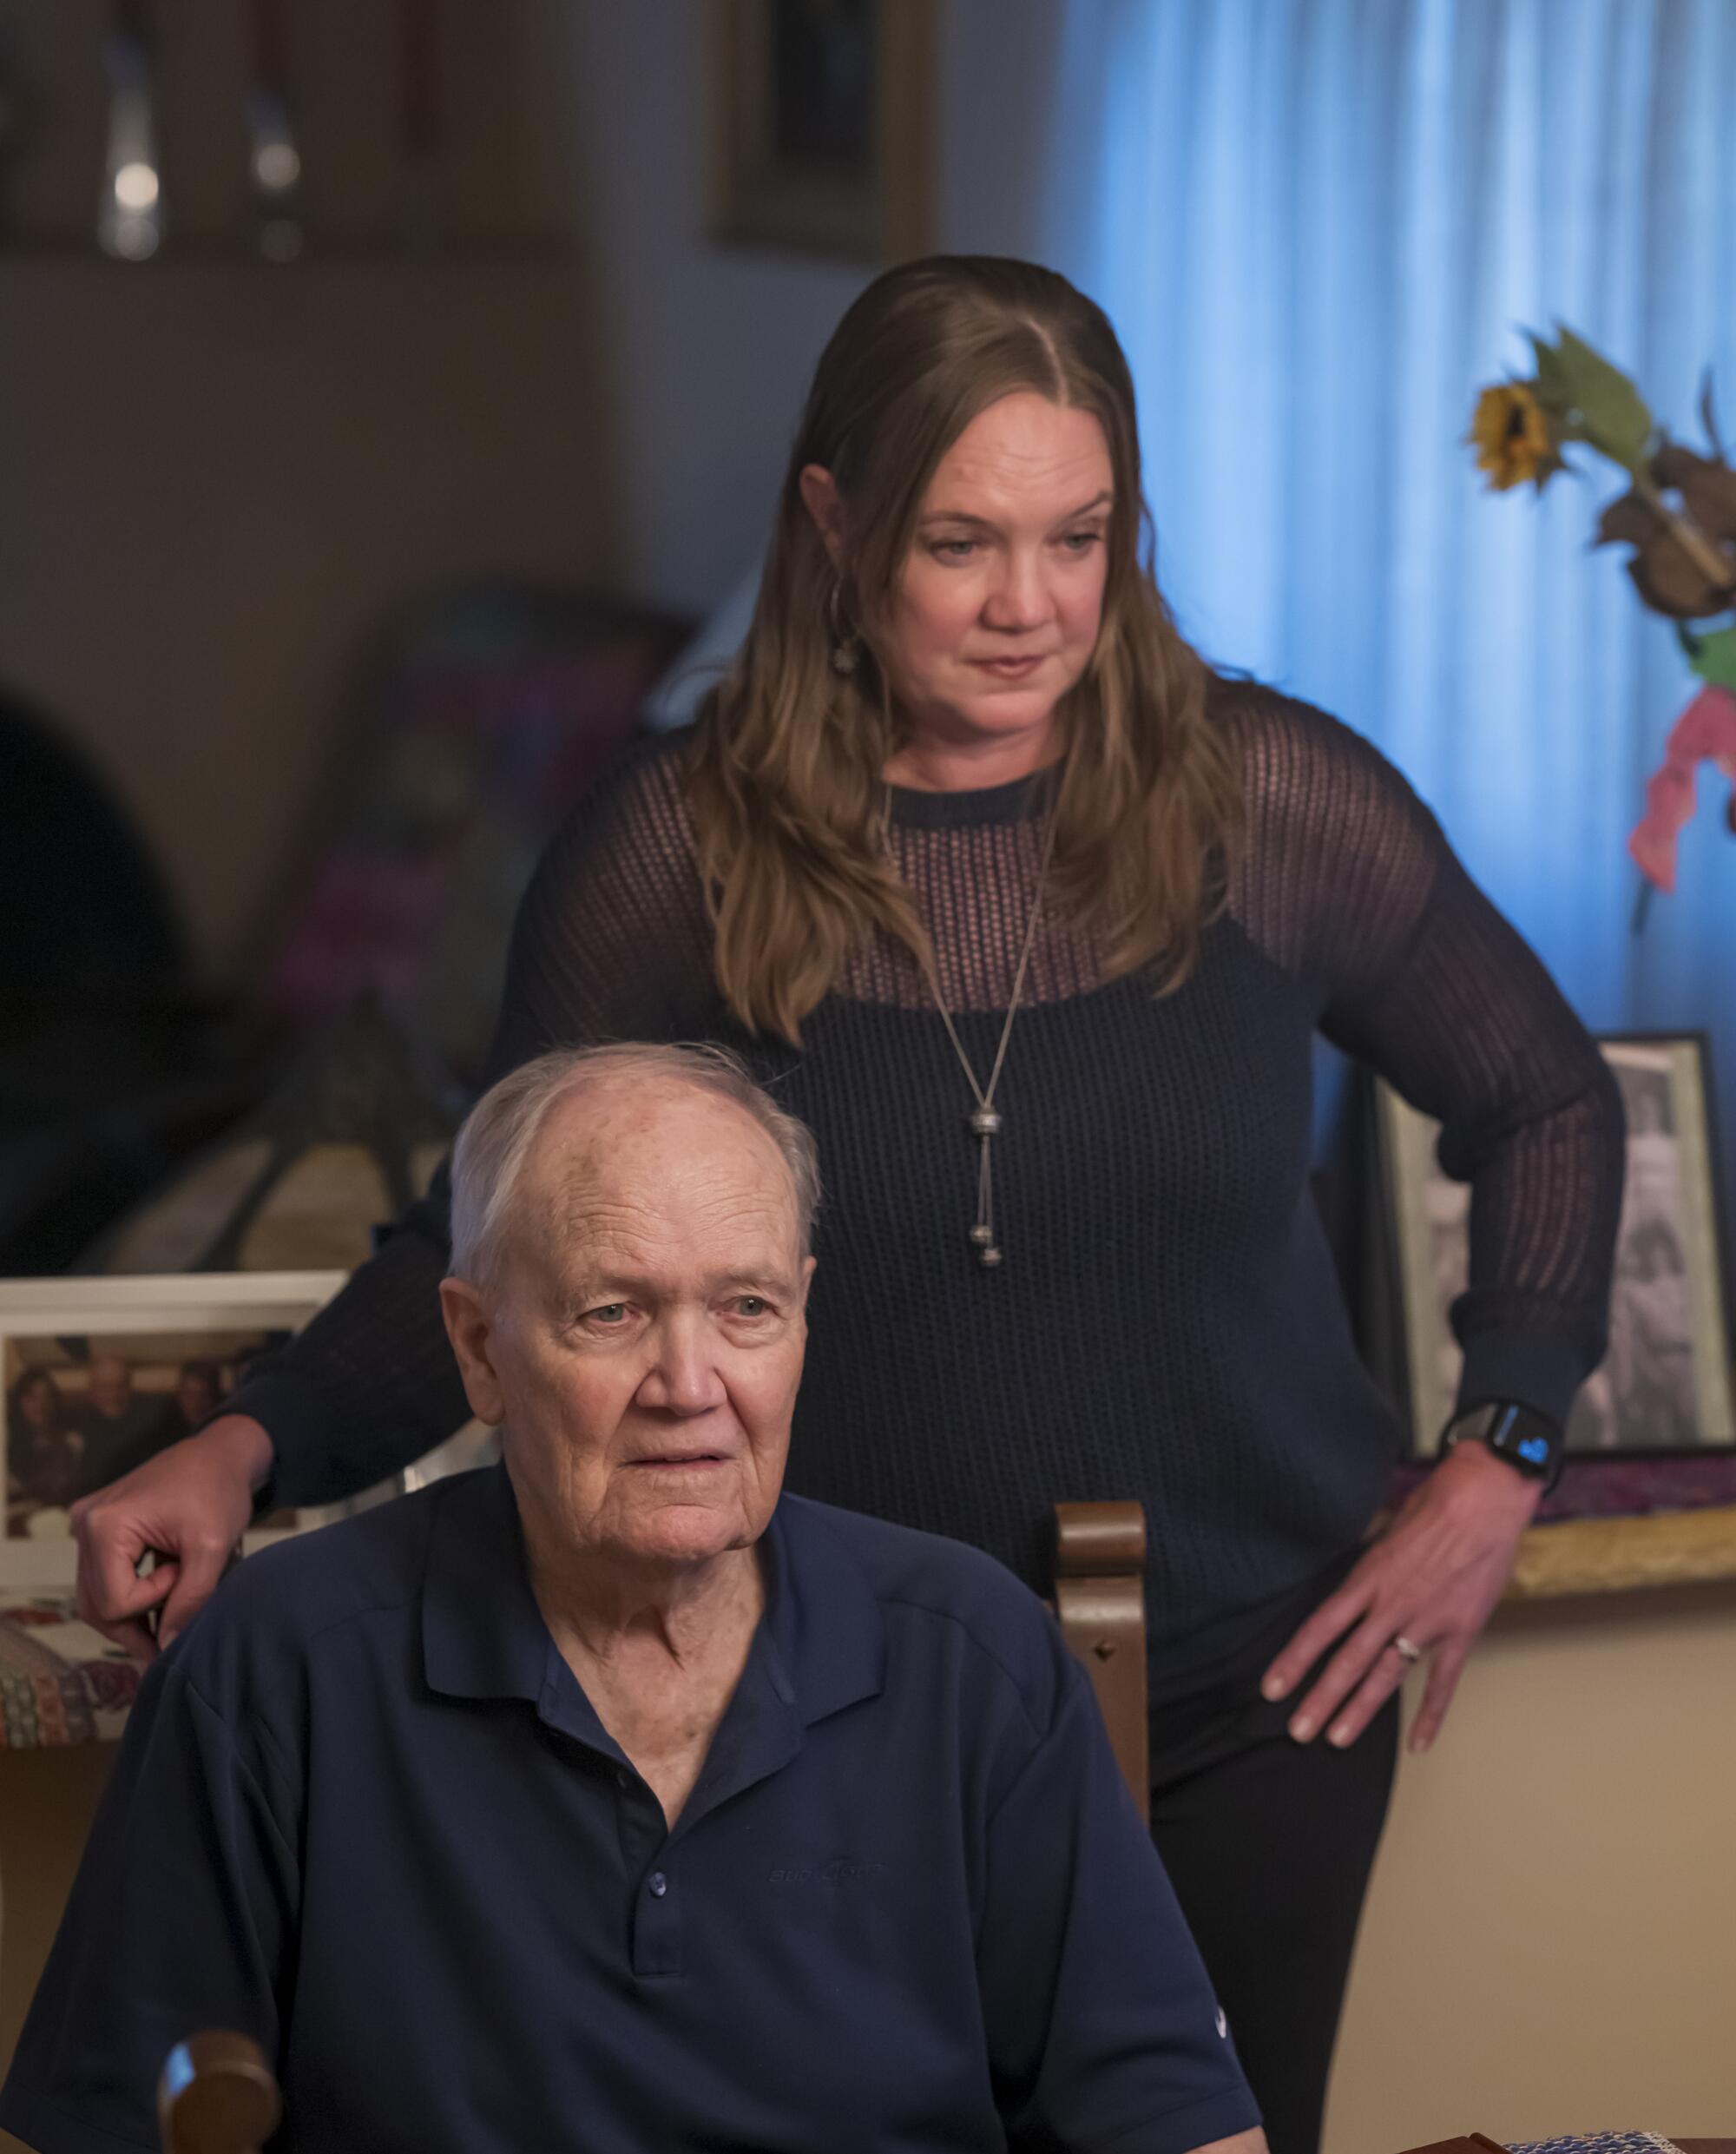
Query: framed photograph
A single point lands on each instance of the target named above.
(821, 125)
(1664, 1389)
(98, 1374)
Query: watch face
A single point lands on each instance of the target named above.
(1528, 1443)
(1523, 1439)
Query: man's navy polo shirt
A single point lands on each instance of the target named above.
(364, 1812)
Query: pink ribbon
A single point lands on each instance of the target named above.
(1707, 729)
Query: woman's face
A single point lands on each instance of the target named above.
(997, 606)
(39, 1403)
(999, 602)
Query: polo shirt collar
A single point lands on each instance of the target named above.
(483, 1636)
(822, 1626)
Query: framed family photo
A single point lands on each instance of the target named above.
(1664, 1389)
(97, 1375)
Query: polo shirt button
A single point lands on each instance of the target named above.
(658, 1883)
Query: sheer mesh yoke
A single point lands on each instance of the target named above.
(1167, 1325)
(1347, 884)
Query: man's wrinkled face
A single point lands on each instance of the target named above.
(645, 1325)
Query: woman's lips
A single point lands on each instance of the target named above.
(1009, 668)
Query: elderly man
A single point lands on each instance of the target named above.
(603, 1801)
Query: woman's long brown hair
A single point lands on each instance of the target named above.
(785, 782)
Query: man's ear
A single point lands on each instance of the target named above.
(471, 1331)
(825, 505)
(807, 1279)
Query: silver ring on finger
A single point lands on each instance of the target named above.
(1407, 1650)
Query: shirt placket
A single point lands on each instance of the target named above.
(655, 1948)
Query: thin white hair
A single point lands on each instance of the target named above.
(488, 1155)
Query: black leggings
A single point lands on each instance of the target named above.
(1268, 1843)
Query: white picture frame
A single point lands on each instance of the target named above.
(154, 1328)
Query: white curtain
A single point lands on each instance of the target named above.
(1318, 225)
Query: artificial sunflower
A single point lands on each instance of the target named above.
(1678, 515)
(1510, 433)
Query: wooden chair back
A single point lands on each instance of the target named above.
(216, 2095)
(1100, 1602)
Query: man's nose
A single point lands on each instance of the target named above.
(684, 1377)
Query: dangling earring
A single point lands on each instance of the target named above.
(846, 652)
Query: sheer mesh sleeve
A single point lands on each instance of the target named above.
(1350, 885)
(611, 942)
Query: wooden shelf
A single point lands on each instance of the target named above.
(1624, 1555)
(230, 254)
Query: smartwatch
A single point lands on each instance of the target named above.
(1528, 1440)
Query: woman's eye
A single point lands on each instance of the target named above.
(956, 549)
(1081, 542)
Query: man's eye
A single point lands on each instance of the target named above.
(610, 1313)
(753, 1305)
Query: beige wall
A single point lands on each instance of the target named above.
(1550, 1941)
(220, 475)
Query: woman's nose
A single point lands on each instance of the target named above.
(1019, 599)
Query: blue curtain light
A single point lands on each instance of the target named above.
(1319, 226)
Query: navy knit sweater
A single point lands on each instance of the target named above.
(1166, 1324)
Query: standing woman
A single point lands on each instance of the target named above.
(1032, 918)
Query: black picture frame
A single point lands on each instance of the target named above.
(1655, 1426)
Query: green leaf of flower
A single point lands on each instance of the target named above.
(1714, 658)
(1551, 388)
(1612, 413)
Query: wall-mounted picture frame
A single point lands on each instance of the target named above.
(97, 1375)
(1664, 1392)
(821, 125)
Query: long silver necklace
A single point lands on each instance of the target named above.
(985, 1121)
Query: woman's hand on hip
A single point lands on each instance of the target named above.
(188, 1506)
(1425, 1590)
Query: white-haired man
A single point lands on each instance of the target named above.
(604, 1800)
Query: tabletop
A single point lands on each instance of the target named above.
(59, 1681)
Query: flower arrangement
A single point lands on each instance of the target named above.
(1678, 514)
